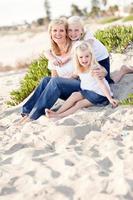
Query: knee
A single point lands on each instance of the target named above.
(55, 81)
(45, 80)
(75, 95)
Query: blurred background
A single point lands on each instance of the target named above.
(23, 24)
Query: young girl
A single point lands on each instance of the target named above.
(76, 32)
(93, 91)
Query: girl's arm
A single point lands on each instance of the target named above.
(49, 55)
(65, 59)
(106, 92)
(54, 73)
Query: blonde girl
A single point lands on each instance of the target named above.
(93, 91)
(76, 32)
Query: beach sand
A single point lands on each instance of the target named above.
(85, 156)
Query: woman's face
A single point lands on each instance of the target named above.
(84, 58)
(58, 33)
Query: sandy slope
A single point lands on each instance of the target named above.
(21, 47)
(87, 155)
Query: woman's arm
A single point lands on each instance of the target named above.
(49, 55)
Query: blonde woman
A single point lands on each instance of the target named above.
(93, 91)
(58, 85)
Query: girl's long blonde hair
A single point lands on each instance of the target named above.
(54, 47)
(83, 46)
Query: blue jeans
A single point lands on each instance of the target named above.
(106, 64)
(47, 93)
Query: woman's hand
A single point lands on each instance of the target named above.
(99, 72)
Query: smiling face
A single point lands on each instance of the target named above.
(58, 33)
(75, 31)
(84, 58)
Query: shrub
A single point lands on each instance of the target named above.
(36, 71)
(128, 100)
(115, 38)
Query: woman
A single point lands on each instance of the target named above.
(52, 88)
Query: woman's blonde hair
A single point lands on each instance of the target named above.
(54, 47)
(83, 46)
(76, 20)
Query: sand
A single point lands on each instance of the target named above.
(85, 156)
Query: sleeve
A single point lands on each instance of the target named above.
(89, 36)
(51, 66)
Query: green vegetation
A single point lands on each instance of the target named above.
(128, 100)
(36, 71)
(116, 38)
(128, 18)
(109, 20)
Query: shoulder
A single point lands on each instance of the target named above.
(88, 35)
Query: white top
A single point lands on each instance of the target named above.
(98, 48)
(65, 70)
(88, 82)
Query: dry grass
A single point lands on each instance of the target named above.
(20, 64)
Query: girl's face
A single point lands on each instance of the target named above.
(84, 58)
(75, 32)
(58, 33)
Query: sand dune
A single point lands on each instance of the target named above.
(85, 156)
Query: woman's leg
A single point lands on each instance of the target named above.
(56, 88)
(123, 71)
(27, 107)
(106, 64)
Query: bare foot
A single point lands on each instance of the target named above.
(23, 121)
(50, 114)
(123, 70)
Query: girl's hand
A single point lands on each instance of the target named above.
(56, 62)
(64, 60)
(114, 102)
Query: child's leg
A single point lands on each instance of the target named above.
(80, 104)
(76, 96)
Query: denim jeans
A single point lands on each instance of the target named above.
(106, 64)
(47, 93)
